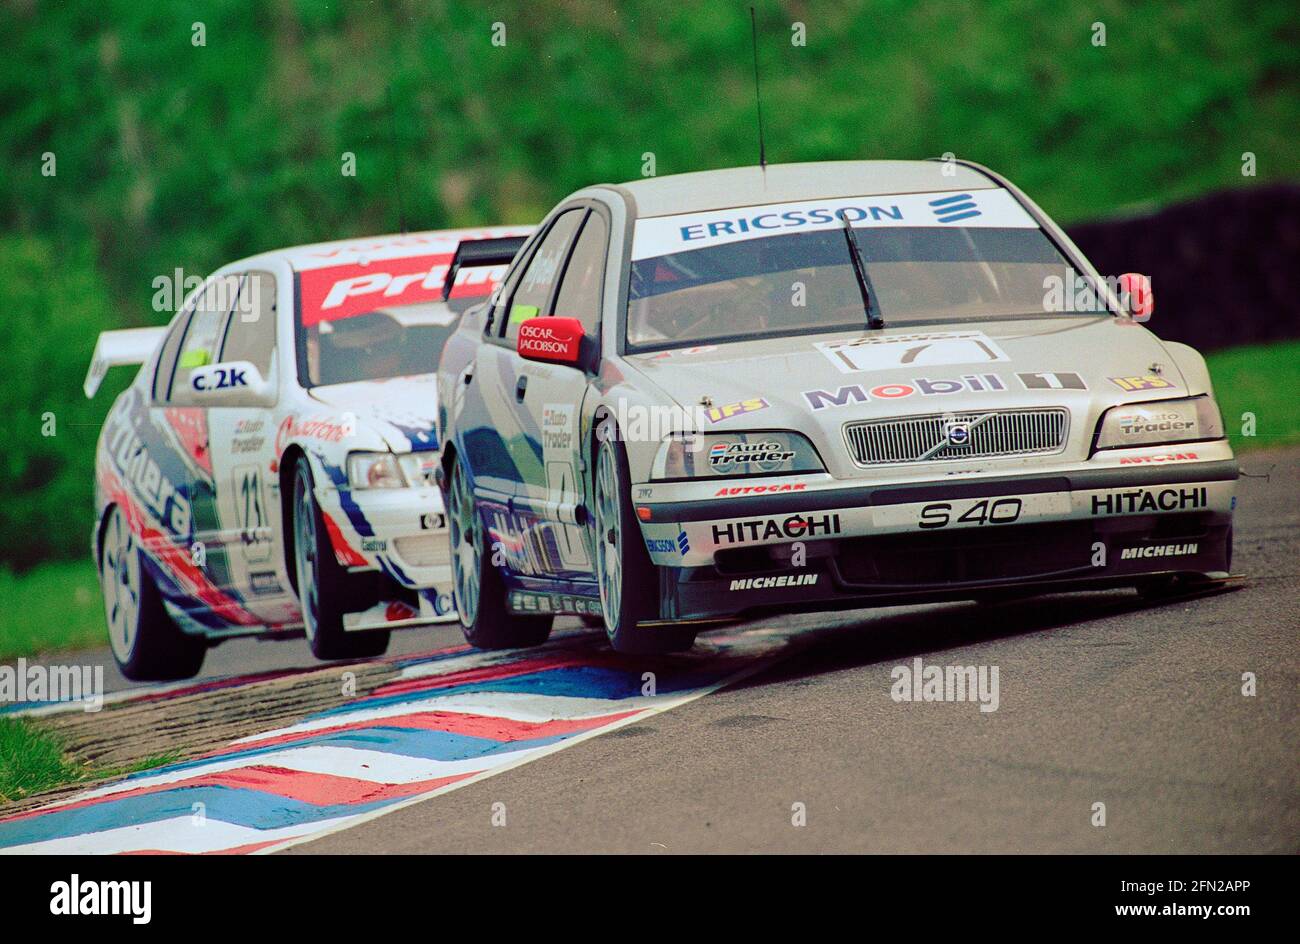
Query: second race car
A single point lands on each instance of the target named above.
(271, 468)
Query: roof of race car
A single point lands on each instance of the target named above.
(783, 183)
(390, 246)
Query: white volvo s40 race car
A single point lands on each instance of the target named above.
(271, 468)
(810, 387)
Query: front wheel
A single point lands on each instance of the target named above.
(480, 591)
(628, 581)
(147, 644)
(325, 589)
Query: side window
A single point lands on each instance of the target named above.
(250, 331)
(584, 276)
(534, 289)
(203, 333)
(162, 376)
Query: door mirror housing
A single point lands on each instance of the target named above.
(232, 383)
(1135, 293)
(555, 340)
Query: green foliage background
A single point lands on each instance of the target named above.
(170, 154)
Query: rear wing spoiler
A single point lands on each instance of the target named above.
(119, 348)
(478, 253)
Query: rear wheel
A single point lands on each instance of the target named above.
(325, 589)
(480, 591)
(147, 644)
(628, 581)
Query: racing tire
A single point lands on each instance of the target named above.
(480, 591)
(325, 589)
(147, 644)
(628, 580)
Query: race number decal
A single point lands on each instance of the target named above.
(912, 350)
(250, 514)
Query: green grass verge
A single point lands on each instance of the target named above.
(31, 760)
(51, 608)
(1263, 381)
(34, 759)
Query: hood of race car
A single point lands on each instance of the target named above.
(400, 409)
(815, 384)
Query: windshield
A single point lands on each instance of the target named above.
(803, 282)
(392, 342)
(380, 320)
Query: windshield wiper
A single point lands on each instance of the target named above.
(869, 304)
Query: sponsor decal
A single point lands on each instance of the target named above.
(264, 581)
(218, 378)
(1142, 500)
(433, 521)
(667, 234)
(553, 603)
(1052, 380)
(374, 545)
(551, 339)
(337, 292)
(924, 386)
(930, 349)
(793, 527)
(954, 208)
(768, 583)
(731, 491)
(1163, 457)
(1157, 550)
(681, 545)
(1146, 382)
(133, 462)
(322, 429)
(716, 414)
(247, 436)
(1138, 424)
(724, 455)
(557, 430)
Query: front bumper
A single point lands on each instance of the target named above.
(400, 531)
(827, 545)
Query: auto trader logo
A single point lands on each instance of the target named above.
(960, 206)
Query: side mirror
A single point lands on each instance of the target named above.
(232, 383)
(554, 339)
(1135, 293)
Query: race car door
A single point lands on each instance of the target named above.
(548, 400)
(231, 493)
(243, 448)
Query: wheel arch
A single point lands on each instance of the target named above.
(287, 469)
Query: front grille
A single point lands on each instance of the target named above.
(424, 550)
(939, 436)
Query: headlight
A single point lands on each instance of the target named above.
(733, 454)
(1163, 421)
(374, 470)
(420, 468)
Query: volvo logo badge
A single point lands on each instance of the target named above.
(958, 433)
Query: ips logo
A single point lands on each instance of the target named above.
(960, 206)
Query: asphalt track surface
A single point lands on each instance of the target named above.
(1103, 698)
